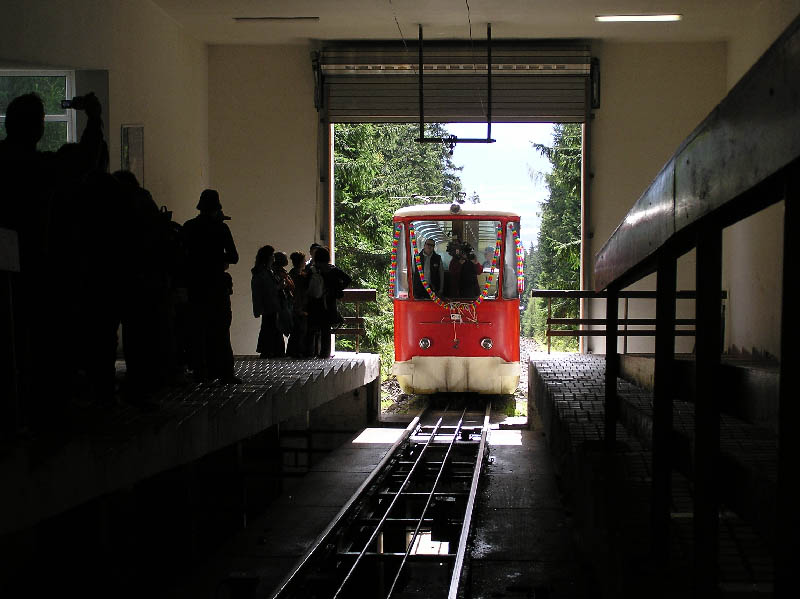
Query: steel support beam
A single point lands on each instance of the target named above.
(706, 432)
(787, 519)
(612, 369)
(662, 407)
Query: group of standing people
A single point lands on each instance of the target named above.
(299, 304)
(96, 254)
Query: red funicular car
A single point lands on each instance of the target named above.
(456, 317)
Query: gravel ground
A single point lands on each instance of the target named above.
(394, 401)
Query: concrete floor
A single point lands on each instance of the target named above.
(523, 544)
(265, 552)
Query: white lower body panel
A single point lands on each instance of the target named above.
(449, 374)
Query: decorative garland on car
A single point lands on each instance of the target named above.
(395, 241)
(432, 293)
(520, 261)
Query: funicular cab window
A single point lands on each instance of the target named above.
(510, 270)
(468, 255)
(401, 267)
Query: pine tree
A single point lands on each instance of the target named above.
(557, 256)
(377, 169)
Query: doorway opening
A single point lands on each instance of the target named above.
(533, 169)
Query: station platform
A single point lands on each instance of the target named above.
(610, 498)
(101, 449)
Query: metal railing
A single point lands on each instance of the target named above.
(737, 162)
(354, 325)
(624, 322)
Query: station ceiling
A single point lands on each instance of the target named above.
(214, 21)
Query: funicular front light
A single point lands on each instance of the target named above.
(425, 343)
(487, 343)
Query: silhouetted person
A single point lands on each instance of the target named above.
(147, 323)
(33, 184)
(322, 312)
(29, 178)
(297, 346)
(279, 265)
(101, 279)
(285, 295)
(210, 249)
(265, 288)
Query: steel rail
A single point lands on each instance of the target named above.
(388, 511)
(455, 579)
(427, 504)
(320, 540)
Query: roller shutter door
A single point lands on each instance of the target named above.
(531, 82)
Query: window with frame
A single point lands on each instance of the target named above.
(51, 87)
(462, 244)
(401, 268)
(511, 269)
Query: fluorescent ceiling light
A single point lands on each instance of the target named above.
(245, 19)
(636, 18)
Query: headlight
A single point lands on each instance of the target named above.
(486, 343)
(424, 343)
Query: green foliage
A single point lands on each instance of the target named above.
(555, 262)
(530, 271)
(377, 169)
(527, 319)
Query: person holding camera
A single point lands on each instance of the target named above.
(454, 248)
(468, 282)
(464, 270)
(36, 201)
(433, 270)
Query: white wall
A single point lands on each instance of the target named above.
(158, 77)
(653, 96)
(753, 248)
(263, 150)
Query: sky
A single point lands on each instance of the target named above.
(500, 172)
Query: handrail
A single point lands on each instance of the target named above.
(574, 293)
(743, 158)
(625, 321)
(354, 325)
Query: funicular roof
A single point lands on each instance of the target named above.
(443, 210)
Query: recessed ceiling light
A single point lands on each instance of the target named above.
(246, 19)
(637, 18)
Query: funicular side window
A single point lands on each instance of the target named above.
(457, 258)
(510, 270)
(401, 267)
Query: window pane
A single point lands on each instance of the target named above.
(462, 243)
(55, 136)
(510, 289)
(51, 90)
(401, 270)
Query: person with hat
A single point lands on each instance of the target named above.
(209, 251)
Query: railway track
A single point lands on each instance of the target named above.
(404, 532)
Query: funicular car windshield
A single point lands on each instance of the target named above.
(470, 253)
